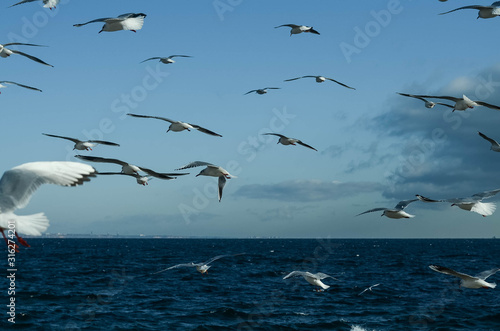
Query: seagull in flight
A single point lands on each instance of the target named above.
(46, 3)
(165, 60)
(397, 212)
(14, 83)
(321, 79)
(313, 279)
(201, 267)
(478, 281)
(368, 289)
(262, 90)
(484, 11)
(6, 52)
(130, 21)
(462, 103)
(296, 29)
(284, 140)
(141, 180)
(18, 184)
(428, 104)
(83, 145)
(495, 146)
(177, 126)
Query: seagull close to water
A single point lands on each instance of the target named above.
(428, 104)
(462, 103)
(177, 126)
(296, 29)
(284, 140)
(484, 11)
(472, 203)
(130, 21)
(141, 180)
(46, 3)
(6, 52)
(313, 279)
(14, 83)
(478, 281)
(320, 79)
(368, 289)
(495, 146)
(18, 184)
(201, 267)
(83, 145)
(166, 60)
(262, 90)
(211, 170)
(396, 212)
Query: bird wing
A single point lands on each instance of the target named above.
(297, 273)
(289, 25)
(492, 141)
(481, 103)
(31, 57)
(402, 204)
(62, 137)
(250, 92)
(311, 30)
(214, 259)
(171, 56)
(444, 104)
(101, 159)
(451, 272)
(222, 183)
(465, 7)
(271, 88)
(201, 129)
(21, 85)
(105, 19)
(21, 2)
(306, 145)
(412, 96)
(275, 134)
(152, 58)
(18, 184)
(132, 21)
(161, 175)
(372, 210)
(157, 117)
(176, 266)
(23, 44)
(344, 85)
(438, 97)
(196, 164)
(289, 80)
(485, 194)
(103, 142)
(321, 275)
(485, 274)
(424, 199)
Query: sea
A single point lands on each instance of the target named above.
(114, 284)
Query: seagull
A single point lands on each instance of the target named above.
(320, 79)
(288, 141)
(83, 145)
(19, 183)
(462, 103)
(141, 180)
(211, 170)
(396, 212)
(313, 279)
(495, 146)
(262, 90)
(472, 203)
(201, 267)
(130, 21)
(428, 104)
(178, 126)
(479, 281)
(166, 60)
(368, 289)
(46, 3)
(14, 83)
(296, 29)
(484, 11)
(6, 52)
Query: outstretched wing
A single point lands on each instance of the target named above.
(250, 92)
(451, 272)
(424, 199)
(289, 25)
(94, 21)
(62, 137)
(402, 204)
(157, 117)
(151, 58)
(201, 129)
(342, 84)
(275, 134)
(321, 275)
(481, 103)
(21, 85)
(21, 2)
(222, 183)
(306, 145)
(485, 274)
(182, 265)
(162, 175)
(296, 273)
(103, 142)
(465, 7)
(196, 164)
(372, 210)
(485, 194)
(101, 159)
(31, 57)
(492, 141)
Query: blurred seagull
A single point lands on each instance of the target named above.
(396, 212)
(368, 289)
(428, 104)
(478, 281)
(495, 146)
(6, 52)
(178, 126)
(130, 21)
(141, 180)
(165, 60)
(18, 185)
(284, 140)
(484, 11)
(313, 279)
(14, 83)
(296, 29)
(46, 3)
(472, 203)
(262, 90)
(83, 145)
(462, 103)
(320, 79)
(201, 267)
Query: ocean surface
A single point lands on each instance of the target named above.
(97, 284)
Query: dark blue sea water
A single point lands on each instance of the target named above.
(94, 284)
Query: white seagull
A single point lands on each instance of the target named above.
(478, 281)
(6, 52)
(212, 171)
(284, 140)
(495, 146)
(14, 83)
(166, 60)
(46, 3)
(472, 203)
(130, 21)
(462, 103)
(428, 104)
(313, 279)
(18, 185)
(396, 212)
(484, 11)
(368, 289)
(201, 267)
(296, 29)
(320, 79)
(177, 126)
(83, 145)
(262, 90)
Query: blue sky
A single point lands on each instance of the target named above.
(375, 147)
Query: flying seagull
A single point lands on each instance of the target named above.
(296, 29)
(141, 180)
(484, 11)
(320, 79)
(177, 126)
(428, 104)
(19, 183)
(83, 145)
(396, 212)
(130, 21)
(6, 52)
(46, 3)
(462, 103)
(165, 60)
(494, 144)
(284, 140)
(262, 90)
(478, 281)
(472, 203)
(368, 289)
(201, 267)
(211, 170)
(14, 83)
(313, 279)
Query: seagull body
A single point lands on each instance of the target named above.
(46, 3)
(478, 281)
(397, 212)
(6, 52)
(83, 145)
(313, 279)
(130, 21)
(321, 79)
(368, 289)
(296, 29)
(484, 11)
(462, 103)
(495, 146)
(166, 60)
(284, 140)
(201, 267)
(18, 184)
(262, 90)
(14, 83)
(428, 104)
(178, 126)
